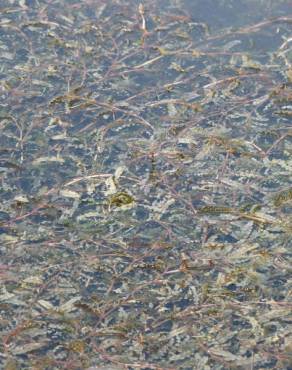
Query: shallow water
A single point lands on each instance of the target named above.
(145, 160)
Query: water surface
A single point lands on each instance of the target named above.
(146, 192)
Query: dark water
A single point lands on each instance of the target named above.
(145, 161)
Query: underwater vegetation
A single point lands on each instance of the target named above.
(145, 165)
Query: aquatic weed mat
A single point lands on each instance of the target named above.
(145, 160)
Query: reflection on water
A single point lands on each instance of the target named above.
(145, 167)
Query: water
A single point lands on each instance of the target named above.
(145, 162)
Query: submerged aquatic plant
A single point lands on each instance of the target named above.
(283, 197)
(145, 164)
